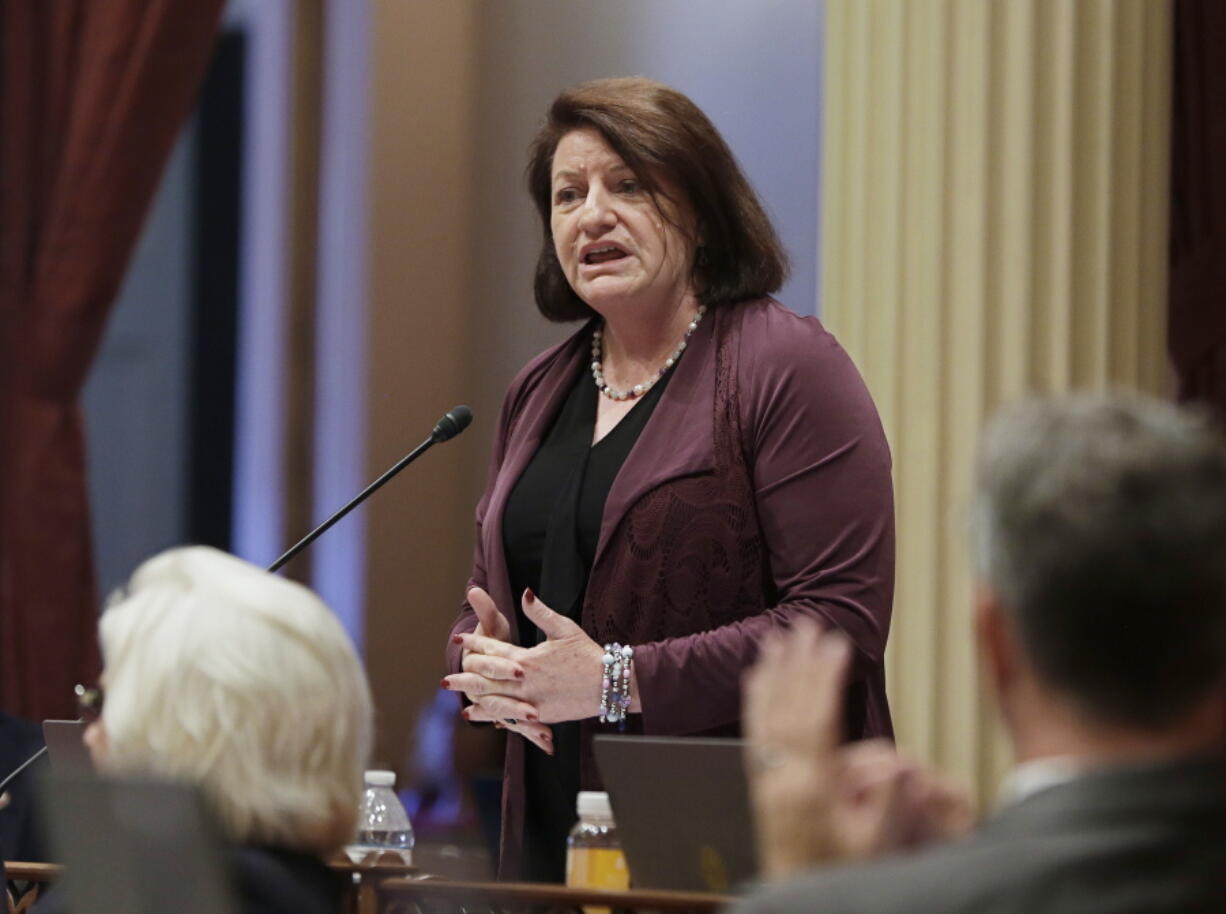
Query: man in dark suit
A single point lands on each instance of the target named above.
(1100, 528)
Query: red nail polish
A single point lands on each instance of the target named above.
(529, 595)
(457, 639)
(531, 717)
(444, 685)
(519, 674)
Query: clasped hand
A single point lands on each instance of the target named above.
(525, 689)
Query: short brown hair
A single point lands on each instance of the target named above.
(659, 133)
(1101, 525)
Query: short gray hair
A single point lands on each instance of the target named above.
(1100, 523)
(220, 674)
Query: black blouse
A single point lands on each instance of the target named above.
(550, 531)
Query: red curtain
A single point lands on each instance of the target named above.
(1197, 303)
(92, 96)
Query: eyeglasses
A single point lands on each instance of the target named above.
(89, 703)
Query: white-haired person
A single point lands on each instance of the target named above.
(219, 674)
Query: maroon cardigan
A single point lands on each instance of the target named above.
(759, 490)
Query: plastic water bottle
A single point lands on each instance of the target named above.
(384, 832)
(594, 858)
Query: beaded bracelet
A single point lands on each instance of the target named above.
(615, 685)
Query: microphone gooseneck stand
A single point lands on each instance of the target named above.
(448, 427)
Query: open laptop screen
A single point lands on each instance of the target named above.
(66, 748)
(682, 810)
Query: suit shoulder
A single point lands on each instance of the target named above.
(968, 876)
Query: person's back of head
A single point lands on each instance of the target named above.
(1100, 527)
(1100, 546)
(222, 675)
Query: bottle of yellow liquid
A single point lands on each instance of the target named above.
(594, 858)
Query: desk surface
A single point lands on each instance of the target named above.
(388, 887)
(396, 889)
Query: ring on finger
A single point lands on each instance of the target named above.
(766, 757)
(511, 720)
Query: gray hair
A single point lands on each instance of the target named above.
(1100, 523)
(222, 675)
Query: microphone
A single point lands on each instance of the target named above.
(445, 429)
(452, 424)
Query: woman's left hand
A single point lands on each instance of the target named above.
(562, 675)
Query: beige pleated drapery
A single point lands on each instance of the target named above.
(994, 223)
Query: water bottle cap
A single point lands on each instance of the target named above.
(594, 803)
(381, 778)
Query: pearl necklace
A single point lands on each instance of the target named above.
(638, 389)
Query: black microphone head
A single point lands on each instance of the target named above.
(452, 424)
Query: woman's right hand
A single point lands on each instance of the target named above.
(491, 702)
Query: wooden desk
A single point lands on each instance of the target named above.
(386, 888)
(38, 873)
(33, 872)
(427, 896)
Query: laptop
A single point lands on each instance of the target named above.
(682, 810)
(135, 847)
(66, 749)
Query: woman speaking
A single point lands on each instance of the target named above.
(692, 469)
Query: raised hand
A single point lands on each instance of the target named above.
(792, 700)
(815, 800)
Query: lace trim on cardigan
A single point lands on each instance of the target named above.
(690, 553)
